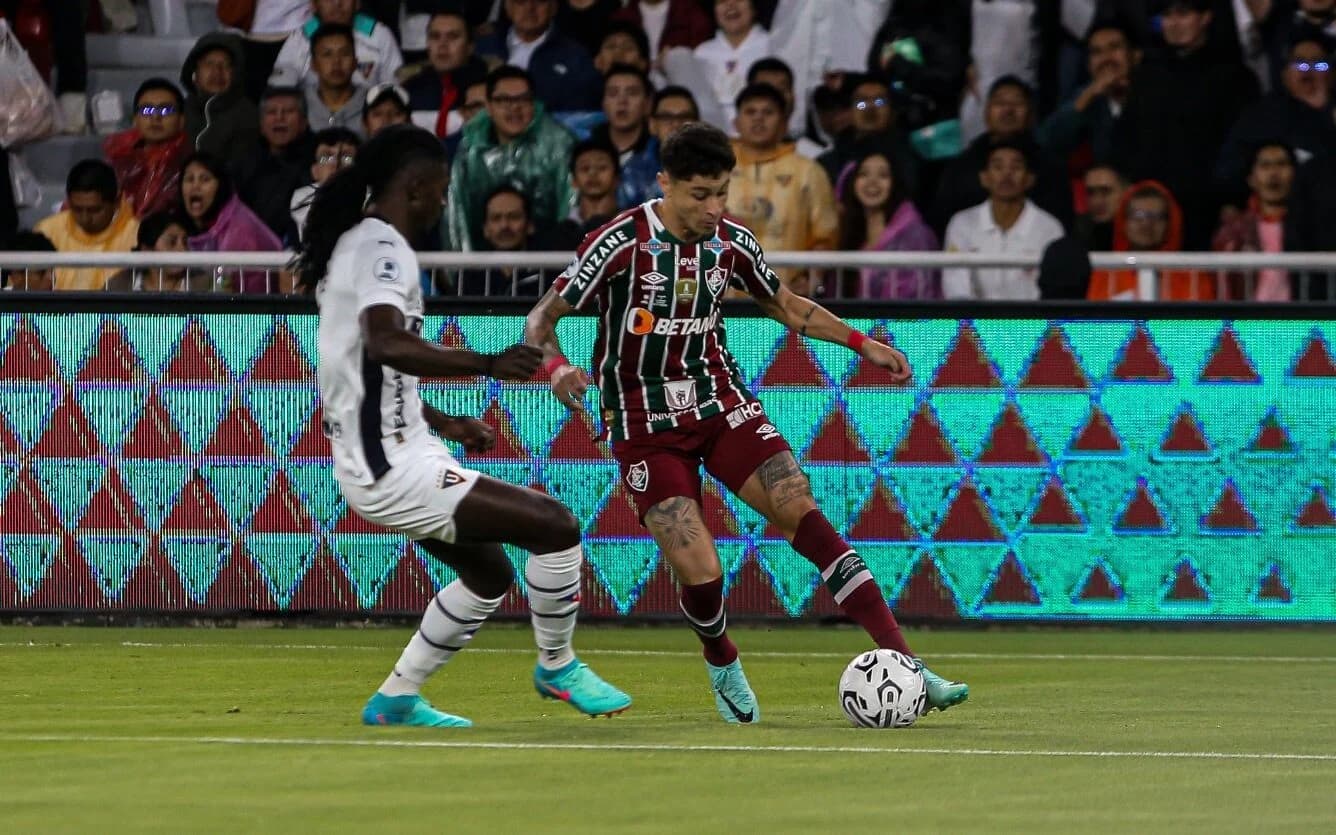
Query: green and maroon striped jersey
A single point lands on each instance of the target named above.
(661, 358)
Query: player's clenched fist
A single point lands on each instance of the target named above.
(569, 384)
(518, 362)
(887, 357)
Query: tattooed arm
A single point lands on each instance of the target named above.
(807, 318)
(569, 383)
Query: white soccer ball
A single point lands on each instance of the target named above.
(883, 689)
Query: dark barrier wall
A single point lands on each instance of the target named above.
(1039, 468)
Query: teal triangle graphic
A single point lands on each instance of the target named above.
(239, 489)
(1010, 343)
(368, 560)
(836, 360)
(925, 492)
(925, 343)
(463, 399)
(318, 490)
(797, 414)
(534, 413)
(29, 555)
(1272, 344)
(881, 417)
(113, 559)
(111, 410)
(967, 417)
(732, 552)
(154, 486)
(27, 408)
(753, 343)
(283, 559)
(840, 490)
(969, 570)
(1053, 417)
(305, 329)
(197, 561)
(441, 574)
(522, 474)
(196, 411)
(517, 556)
(1141, 414)
(7, 323)
(750, 523)
(890, 565)
(792, 577)
(69, 484)
(622, 569)
(1185, 344)
(1096, 344)
(1010, 491)
(238, 338)
(577, 335)
(154, 338)
(282, 413)
(584, 488)
(432, 327)
(68, 337)
(490, 334)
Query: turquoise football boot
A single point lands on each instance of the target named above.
(733, 696)
(408, 710)
(581, 688)
(942, 693)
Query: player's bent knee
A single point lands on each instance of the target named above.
(492, 576)
(558, 527)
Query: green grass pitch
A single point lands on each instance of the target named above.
(256, 730)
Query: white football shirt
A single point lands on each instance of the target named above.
(366, 405)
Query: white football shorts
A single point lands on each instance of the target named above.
(420, 493)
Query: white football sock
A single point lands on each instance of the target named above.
(553, 583)
(447, 625)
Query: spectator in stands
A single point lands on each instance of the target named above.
(507, 227)
(1184, 100)
(513, 142)
(1006, 223)
(1308, 226)
(1104, 187)
(923, 49)
(29, 278)
(877, 215)
(739, 42)
(1009, 114)
(673, 107)
(872, 130)
(377, 52)
(1150, 220)
(386, 104)
(594, 177)
(1064, 269)
(161, 232)
(266, 176)
(436, 91)
(668, 23)
(336, 100)
(1094, 113)
(784, 198)
(1291, 23)
(219, 222)
(586, 21)
(147, 157)
(622, 44)
(333, 148)
(1005, 41)
(1298, 113)
(97, 219)
(267, 28)
(832, 107)
(1261, 227)
(564, 78)
(219, 117)
(777, 74)
(627, 98)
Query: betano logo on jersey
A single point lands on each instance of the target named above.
(640, 322)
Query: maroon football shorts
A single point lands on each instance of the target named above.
(666, 465)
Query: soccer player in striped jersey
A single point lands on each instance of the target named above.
(392, 470)
(673, 398)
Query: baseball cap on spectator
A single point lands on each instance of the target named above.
(380, 93)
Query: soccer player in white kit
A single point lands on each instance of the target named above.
(392, 470)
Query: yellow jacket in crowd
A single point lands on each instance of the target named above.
(119, 236)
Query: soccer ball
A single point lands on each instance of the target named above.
(883, 689)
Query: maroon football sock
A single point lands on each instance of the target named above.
(703, 605)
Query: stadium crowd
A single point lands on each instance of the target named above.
(1040, 127)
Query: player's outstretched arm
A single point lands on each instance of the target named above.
(807, 318)
(388, 342)
(569, 383)
(471, 433)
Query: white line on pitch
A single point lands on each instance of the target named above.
(663, 747)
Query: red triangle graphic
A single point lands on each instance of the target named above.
(793, 365)
(10, 597)
(1141, 514)
(324, 588)
(9, 442)
(195, 360)
(282, 510)
(576, 441)
(1273, 587)
(1316, 360)
(882, 518)
(659, 594)
(870, 375)
(1011, 441)
(1011, 584)
(926, 595)
(239, 586)
(966, 366)
(1187, 585)
(508, 445)
(282, 360)
(112, 359)
(1271, 437)
(618, 517)
(352, 522)
(1230, 513)
(1317, 513)
(112, 507)
(27, 509)
(1054, 366)
(1055, 509)
(452, 336)
(312, 443)
(751, 593)
(196, 511)
(238, 436)
(719, 520)
(837, 442)
(1185, 437)
(925, 443)
(968, 519)
(1097, 435)
(772, 531)
(594, 599)
(1100, 585)
(26, 358)
(1141, 360)
(154, 584)
(154, 435)
(1228, 363)
(408, 589)
(67, 434)
(69, 582)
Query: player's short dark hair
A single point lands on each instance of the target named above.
(25, 240)
(1129, 33)
(159, 83)
(627, 69)
(337, 136)
(1022, 145)
(761, 90)
(1115, 170)
(1013, 81)
(504, 72)
(595, 146)
(1257, 148)
(637, 34)
(444, 9)
(770, 64)
(295, 93)
(675, 91)
(332, 30)
(93, 175)
(698, 150)
(152, 227)
(507, 188)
